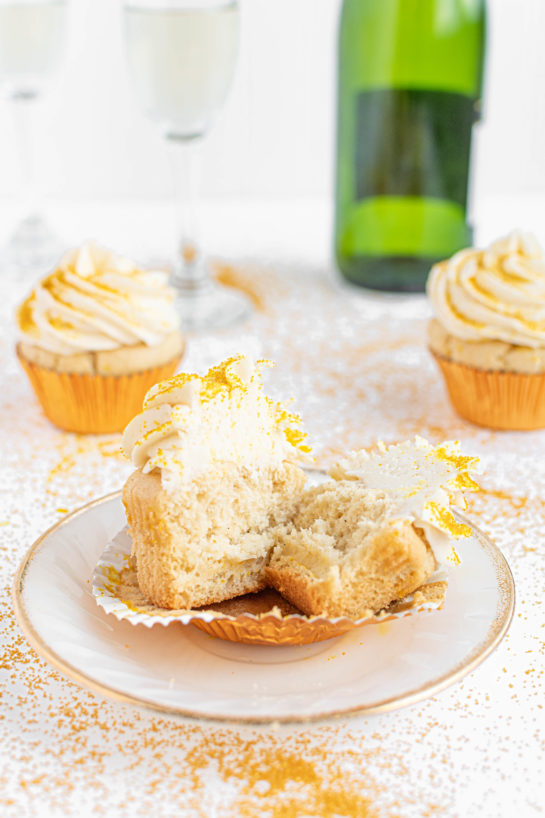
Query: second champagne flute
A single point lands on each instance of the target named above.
(182, 55)
(31, 50)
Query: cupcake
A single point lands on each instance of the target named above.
(216, 469)
(488, 334)
(380, 530)
(94, 336)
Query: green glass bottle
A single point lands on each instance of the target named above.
(410, 80)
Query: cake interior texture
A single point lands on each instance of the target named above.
(344, 553)
(211, 539)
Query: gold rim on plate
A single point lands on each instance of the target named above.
(496, 632)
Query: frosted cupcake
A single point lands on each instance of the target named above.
(488, 334)
(216, 468)
(94, 336)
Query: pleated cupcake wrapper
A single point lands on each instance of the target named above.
(93, 404)
(270, 628)
(499, 400)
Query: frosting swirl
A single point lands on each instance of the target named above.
(190, 424)
(496, 294)
(96, 301)
(422, 483)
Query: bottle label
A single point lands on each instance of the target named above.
(413, 142)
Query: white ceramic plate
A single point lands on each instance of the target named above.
(180, 671)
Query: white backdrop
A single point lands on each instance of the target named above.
(275, 137)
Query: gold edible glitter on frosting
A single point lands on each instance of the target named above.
(289, 421)
(219, 380)
(493, 294)
(448, 522)
(462, 463)
(423, 480)
(96, 301)
(229, 381)
(24, 315)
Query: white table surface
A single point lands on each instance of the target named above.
(358, 368)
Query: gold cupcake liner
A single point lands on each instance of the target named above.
(270, 620)
(278, 630)
(266, 618)
(498, 400)
(93, 404)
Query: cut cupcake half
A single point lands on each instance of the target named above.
(214, 478)
(343, 554)
(380, 530)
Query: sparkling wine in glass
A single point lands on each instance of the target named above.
(182, 55)
(31, 49)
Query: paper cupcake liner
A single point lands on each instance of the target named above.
(93, 404)
(258, 619)
(499, 400)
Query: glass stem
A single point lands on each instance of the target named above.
(190, 273)
(22, 112)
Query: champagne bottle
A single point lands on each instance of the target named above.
(409, 89)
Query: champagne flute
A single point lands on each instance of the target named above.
(182, 55)
(31, 40)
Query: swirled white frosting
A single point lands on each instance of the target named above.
(96, 301)
(191, 423)
(494, 294)
(422, 482)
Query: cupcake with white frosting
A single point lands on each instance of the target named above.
(94, 336)
(488, 334)
(216, 469)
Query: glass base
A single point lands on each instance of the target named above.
(211, 307)
(32, 247)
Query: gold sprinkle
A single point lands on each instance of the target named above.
(447, 521)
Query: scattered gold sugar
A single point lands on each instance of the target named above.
(262, 774)
(62, 746)
(448, 522)
(460, 462)
(288, 422)
(112, 578)
(234, 277)
(454, 558)
(297, 439)
(287, 785)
